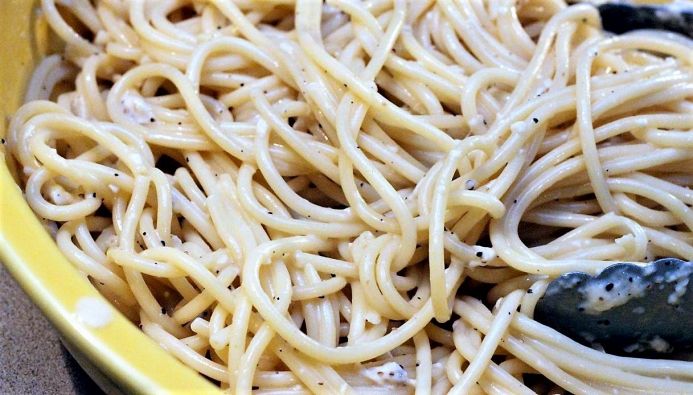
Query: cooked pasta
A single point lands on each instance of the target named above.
(300, 196)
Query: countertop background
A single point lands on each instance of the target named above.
(32, 359)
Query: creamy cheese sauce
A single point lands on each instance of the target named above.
(136, 108)
(655, 344)
(607, 294)
(660, 345)
(390, 373)
(93, 312)
(680, 277)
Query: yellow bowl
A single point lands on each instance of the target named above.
(118, 356)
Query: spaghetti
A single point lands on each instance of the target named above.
(298, 196)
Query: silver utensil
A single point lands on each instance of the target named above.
(623, 16)
(626, 309)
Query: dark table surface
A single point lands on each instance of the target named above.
(32, 359)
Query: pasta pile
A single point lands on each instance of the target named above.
(300, 196)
